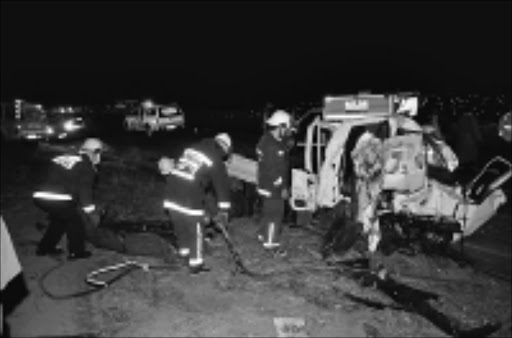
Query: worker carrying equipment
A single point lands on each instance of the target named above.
(66, 196)
(273, 177)
(199, 172)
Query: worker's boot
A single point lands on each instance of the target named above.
(49, 252)
(198, 269)
(183, 256)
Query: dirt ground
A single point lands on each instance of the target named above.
(172, 303)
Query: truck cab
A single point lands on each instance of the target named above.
(320, 183)
(151, 117)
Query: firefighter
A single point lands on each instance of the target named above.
(273, 178)
(66, 196)
(198, 172)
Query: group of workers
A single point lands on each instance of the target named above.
(66, 194)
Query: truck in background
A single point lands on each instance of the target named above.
(23, 120)
(151, 117)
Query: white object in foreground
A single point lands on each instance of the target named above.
(290, 327)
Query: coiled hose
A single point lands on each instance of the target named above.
(92, 277)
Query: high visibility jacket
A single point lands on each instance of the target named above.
(273, 166)
(69, 177)
(199, 170)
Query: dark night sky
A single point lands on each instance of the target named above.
(235, 53)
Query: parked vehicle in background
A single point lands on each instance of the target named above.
(151, 117)
(23, 120)
(66, 126)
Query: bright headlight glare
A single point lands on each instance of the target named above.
(70, 126)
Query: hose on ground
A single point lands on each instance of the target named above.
(92, 278)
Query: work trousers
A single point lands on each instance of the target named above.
(272, 220)
(65, 218)
(190, 236)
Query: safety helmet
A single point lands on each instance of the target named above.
(280, 117)
(225, 142)
(92, 145)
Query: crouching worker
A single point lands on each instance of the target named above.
(200, 168)
(66, 196)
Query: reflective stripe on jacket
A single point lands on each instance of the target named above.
(69, 177)
(200, 168)
(273, 166)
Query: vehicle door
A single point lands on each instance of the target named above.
(304, 181)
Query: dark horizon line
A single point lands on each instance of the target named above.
(218, 101)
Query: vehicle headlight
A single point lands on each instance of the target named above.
(70, 126)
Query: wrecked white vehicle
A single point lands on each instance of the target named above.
(366, 160)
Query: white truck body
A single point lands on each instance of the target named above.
(318, 183)
(154, 117)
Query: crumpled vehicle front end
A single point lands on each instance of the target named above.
(398, 167)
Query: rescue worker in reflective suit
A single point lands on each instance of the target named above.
(273, 178)
(200, 168)
(66, 195)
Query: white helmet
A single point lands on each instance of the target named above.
(92, 145)
(225, 141)
(280, 117)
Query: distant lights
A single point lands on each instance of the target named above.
(17, 108)
(148, 104)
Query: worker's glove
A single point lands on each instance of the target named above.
(165, 165)
(222, 218)
(94, 218)
(285, 194)
(207, 218)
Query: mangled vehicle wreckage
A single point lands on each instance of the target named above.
(373, 173)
